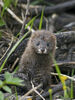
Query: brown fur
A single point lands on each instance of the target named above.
(37, 64)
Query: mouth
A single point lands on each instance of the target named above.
(41, 51)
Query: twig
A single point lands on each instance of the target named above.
(15, 16)
(24, 6)
(65, 37)
(71, 78)
(24, 22)
(54, 9)
(37, 91)
(71, 24)
(29, 92)
(62, 63)
(55, 89)
(12, 67)
(7, 49)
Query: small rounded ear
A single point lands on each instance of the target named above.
(53, 37)
(32, 40)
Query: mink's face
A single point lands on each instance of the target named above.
(43, 44)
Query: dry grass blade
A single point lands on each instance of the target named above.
(37, 91)
(30, 91)
(71, 78)
(15, 16)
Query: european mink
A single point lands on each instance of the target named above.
(36, 60)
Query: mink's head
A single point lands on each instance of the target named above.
(43, 42)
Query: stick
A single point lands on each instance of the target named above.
(24, 22)
(29, 92)
(55, 9)
(15, 16)
(37, 91)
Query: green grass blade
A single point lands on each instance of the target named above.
(59, 75)
(41, 20)
(2, 23)
(57, 69)
(12, 50)
(16, 93)
(63, 82)
(66, 94)
(72, 90)
(6, 5)
(72, 95)
(34, 2)
(50, 92)
(30, 22)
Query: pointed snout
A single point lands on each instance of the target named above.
(42, 51)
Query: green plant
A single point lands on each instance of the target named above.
(30, 23)
(2, 23)
(16, 94)
(6, 5)
(41, 19)
(12, 50)
(72, 95)
(62, 79)
(1, 96)
(15, 2)
(9, 80)
(0, 35)
(50, 92)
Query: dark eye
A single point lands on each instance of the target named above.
(38, 44)
(47, 44)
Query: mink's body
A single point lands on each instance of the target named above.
(36, 60)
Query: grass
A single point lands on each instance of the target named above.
(41, 19)
(50, 92)
(72, 95)
(12, 50)
(63, 79)
(13, 81)
(30, 23)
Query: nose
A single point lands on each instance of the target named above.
(42, 50)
